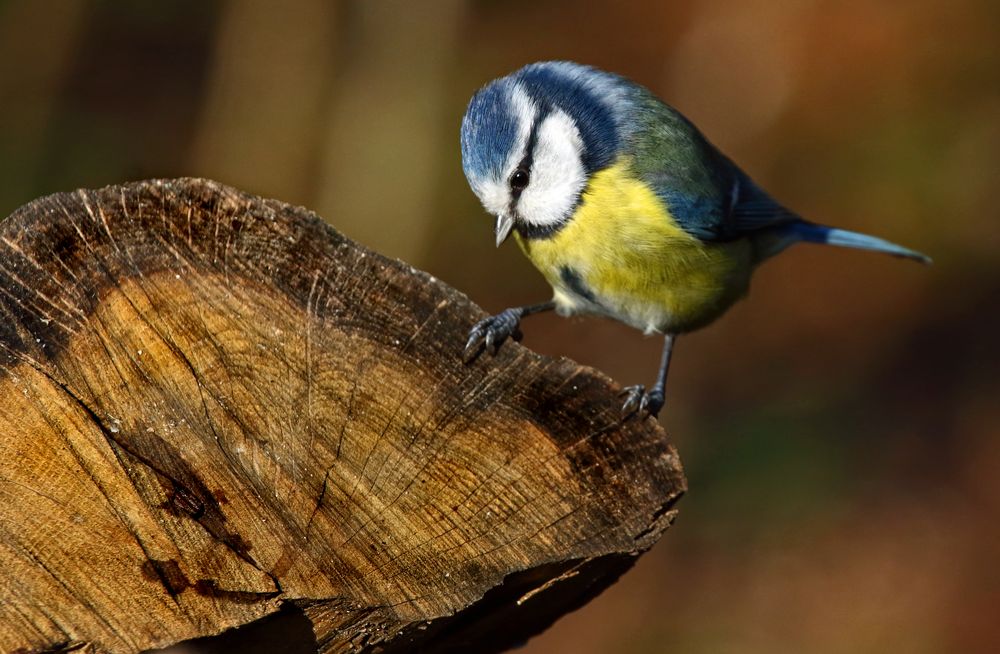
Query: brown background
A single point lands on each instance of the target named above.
(841, 430)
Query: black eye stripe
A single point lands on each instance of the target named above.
(529, 153)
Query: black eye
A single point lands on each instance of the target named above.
(519, 180)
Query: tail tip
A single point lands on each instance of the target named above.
(919, 257)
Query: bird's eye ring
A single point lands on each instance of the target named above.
(519, 180)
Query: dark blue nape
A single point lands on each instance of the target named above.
(489, 131)
(560, 85)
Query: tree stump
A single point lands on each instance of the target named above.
(214, 405)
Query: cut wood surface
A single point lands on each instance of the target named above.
(213, 406)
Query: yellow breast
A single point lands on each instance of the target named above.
(623, 255)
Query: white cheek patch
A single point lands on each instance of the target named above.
(557, 173)
(494, 195)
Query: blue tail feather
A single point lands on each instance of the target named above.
(810, 233)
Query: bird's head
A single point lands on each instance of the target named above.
(531, 141)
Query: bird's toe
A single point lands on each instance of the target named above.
(490, 333)
(634, 399)
(638, 402)
(477, 339)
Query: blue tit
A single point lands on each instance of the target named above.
(623, 205)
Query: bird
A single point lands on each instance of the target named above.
(624, 207)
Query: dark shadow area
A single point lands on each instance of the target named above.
(288, 631)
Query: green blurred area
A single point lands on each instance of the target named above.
(841, 429)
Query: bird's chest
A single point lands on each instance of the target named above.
(623, 256)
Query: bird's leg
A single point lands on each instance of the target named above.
(637, 400)
(490, 333)
(656, 394)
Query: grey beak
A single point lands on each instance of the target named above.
(505, 223)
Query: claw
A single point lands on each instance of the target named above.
(490, 333)
(473, 338)
(634, 399)
(473, 345)
(638, 401)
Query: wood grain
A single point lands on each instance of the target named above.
(213, 405)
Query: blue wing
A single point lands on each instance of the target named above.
(731, 206)
(707, 194)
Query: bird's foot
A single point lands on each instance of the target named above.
(638, 401)
(490, 333)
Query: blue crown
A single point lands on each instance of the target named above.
(489, 130)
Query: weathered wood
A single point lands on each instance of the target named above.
(212, 405)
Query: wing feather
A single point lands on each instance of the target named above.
(707, 194)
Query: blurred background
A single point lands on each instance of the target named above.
(840, 430)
